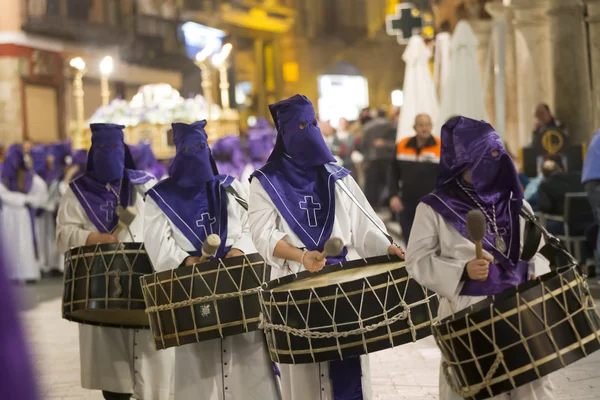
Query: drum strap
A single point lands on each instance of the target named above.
(345, 189)
(532, 236)
(230, 190)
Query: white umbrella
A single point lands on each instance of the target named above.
(419, 90)
(463, 94)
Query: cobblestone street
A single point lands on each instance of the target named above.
(409, 372)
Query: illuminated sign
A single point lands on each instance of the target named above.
(197, 37)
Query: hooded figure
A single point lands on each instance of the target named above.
(229, 156)
(295, 206)
(260, 143)
(475, 173)
(144, 160)
(109, 178)
(120, 362)
(50, 259)
(181, 211)
(21, 193)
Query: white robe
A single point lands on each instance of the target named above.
(362, 239)
(16, 230)
(436, 258)
(46, 229)
(237, 367)
(113, 359)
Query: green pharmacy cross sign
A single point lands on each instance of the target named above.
(406, 22)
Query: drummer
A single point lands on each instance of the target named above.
(475, 173)
(295, 206)
(120, 362)
(182, 210)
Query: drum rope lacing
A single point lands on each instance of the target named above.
(306, 333)
(191, 302)
(474, 390)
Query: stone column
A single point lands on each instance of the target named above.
(593, 7)
(482, 28)
(533, 62)
(570, 67)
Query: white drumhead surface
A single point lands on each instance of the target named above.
(342, 276)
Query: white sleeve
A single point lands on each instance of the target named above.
(262, 221)
(366, 238)
(244, 241)
(538, 265)
(423, 261)
(160, 245)
(38, 196)
(12, 199)
(69, 223)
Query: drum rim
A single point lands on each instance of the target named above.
(484, 305)
(346, 265)
(107, 247)
(208, 266)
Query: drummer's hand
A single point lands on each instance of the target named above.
(234, 253)
(311, 263)
(191, 260)
(100, 238)
(478, 269)
(396, 251)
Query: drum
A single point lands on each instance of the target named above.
(345, 310)
(521, 335)
(215, 299)
(102, 285)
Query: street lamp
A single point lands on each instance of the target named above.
(219, 61)
(201, 62)
(78, 65)
(106, 68)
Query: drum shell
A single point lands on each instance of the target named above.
(290, 307)
(529, 347)
(211, 319)
(92, 278)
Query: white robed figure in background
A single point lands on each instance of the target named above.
(123, 363)
(463, 93)
(419, 90)
(295, 207)
(180, 212)
(21, 193)
(54, 173)
(475, 173)
(441, 69)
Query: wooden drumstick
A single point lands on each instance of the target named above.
(333, 247)
(476, 226)
(126, 218)
(210, 247)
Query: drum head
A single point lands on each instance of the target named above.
(334, 274)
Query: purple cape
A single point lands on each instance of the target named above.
(18, 380)
(194, 197)
(109, 158)
(56, 172)
(469, 144)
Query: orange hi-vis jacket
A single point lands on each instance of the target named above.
(407, 150)
(415, 169)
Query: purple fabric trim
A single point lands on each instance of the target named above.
(196, 213)
(346, 379)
